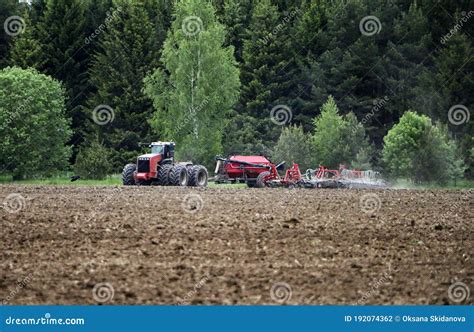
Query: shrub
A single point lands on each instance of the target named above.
(416, 149)
(33, 125)
(93, 161)
(337, 139)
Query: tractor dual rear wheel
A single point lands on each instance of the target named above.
(127, 175)
(164, 174)
(179, 176)
(197, 176)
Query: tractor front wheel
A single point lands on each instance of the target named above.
(198, 176)
(179, 176)
(164, 174)
(261, 180)
(127, 175)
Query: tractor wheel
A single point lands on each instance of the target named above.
(127, 175)
(197, 176)
(260, 183)
(164, 174)
(179, 176)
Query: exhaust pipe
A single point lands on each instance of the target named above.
(218, 166)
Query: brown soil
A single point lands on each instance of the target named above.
(154, 246)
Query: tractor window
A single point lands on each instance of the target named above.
(157, 149)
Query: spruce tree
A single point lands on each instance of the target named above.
(454, 82)
(264, 73)
(406, 51)
(8, 8)
(25, 50)
(61, 35)
(236, 17)
(129, 49)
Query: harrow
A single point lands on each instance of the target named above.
(343, 178)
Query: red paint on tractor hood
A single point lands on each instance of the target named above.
(154, 159)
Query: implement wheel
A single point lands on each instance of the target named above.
(251, 183)
(261, 180)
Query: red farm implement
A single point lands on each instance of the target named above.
(258, 171)
(255, 171)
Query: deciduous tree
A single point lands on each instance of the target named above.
(33, 124)
(199, 84)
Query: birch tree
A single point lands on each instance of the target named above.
(194, 90)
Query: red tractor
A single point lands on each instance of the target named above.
(159, 168)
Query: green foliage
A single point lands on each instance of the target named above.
(328, 136)
(263, 72)
(337, 140)
(8, 8)
(293, 146)
(33, 126)
(60, 32)
(404, 74)
(235, 16)
(293, 53)
(128, 49)
(363, 159)
(93, 161)
(195, 91)
(26, 50)
(453, 81)
(420, 151)
(355, 140)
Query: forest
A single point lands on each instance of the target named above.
(383, 84)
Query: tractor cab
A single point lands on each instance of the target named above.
(165, 149)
